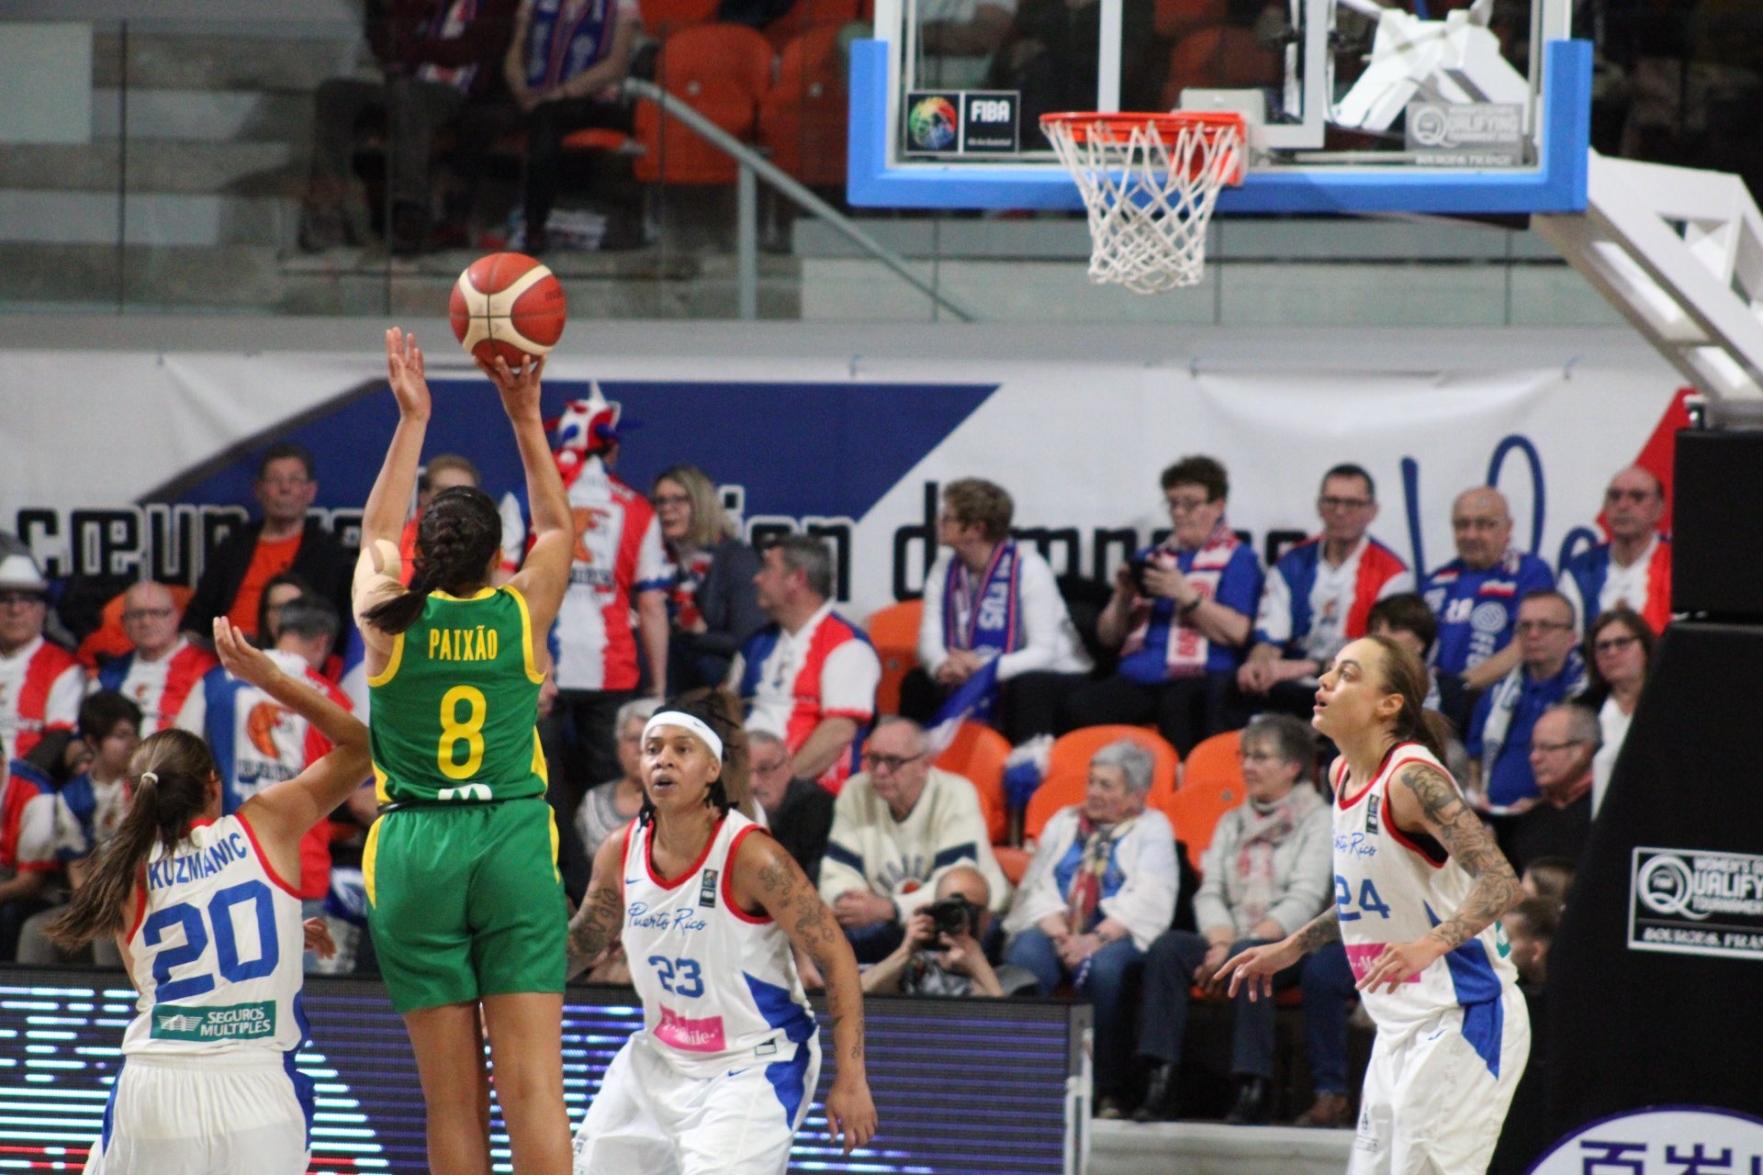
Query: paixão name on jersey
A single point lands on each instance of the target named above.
(232, 1022)
(195, 866)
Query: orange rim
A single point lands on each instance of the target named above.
(1117, 127)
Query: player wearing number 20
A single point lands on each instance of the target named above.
(464, 898)
(209, 928)
(1419, 887)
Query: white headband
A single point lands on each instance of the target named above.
(696, 725)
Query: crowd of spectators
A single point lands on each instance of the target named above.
(1196, 641)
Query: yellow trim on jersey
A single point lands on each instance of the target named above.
(540, 768)
(379, 786)
(370, 850)
(551, 818)
(391, 670)
(483, 593)
(526, 630)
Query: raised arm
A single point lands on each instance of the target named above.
(544, 576)
(766, 875)
(1425, 798)
(389, 502)
(597, 923)
(284, 811)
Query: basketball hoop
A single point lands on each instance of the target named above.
(1150, 182)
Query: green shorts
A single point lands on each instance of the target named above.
(465, 901)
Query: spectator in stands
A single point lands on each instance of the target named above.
(1406, 619)
(1319, 596)
(712, 607)
(619, 566)
(958, 921)
(608, 807)
(237, 571)
(1550, 671)
(808, 677)
(563, 67)
(164, 666)
(988, 598)
(1633, 569)
(1618, 656)
(1181, 617)
(257, 743)
(1475, 597)
(799, 811)
(27, 847)
(40, 683)
(1562, 744)
(1051, 56)
(958, 37)
(1268, 871)
(897, 828)
(88, 810)
(279, 591)
(443, 471)
(434, 56)
(1548, 877)
(1531, 930)
(1099, 889)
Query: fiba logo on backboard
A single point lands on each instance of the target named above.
(961, 122)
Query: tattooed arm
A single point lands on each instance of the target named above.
(766, 877)
(1426, 799)
(597, 924)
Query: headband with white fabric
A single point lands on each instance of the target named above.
(692, 723)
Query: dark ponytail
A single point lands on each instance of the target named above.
(171, 773)
(720, 710)
(1407, 675)
(459, 533)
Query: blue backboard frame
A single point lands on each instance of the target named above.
(1557, 184)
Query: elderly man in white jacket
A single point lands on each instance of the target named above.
(898, 827)
(1101, 887)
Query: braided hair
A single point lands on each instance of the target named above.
(459, 534)
(720, 711)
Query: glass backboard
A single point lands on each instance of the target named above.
(1355, 106)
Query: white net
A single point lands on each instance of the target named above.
(1150, 191)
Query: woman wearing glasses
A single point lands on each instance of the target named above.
(712, 607)
(1267, 872)
(1618, 655)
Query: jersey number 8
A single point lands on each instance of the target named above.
(226, 947)
(470, 732)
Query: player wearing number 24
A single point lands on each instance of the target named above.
(209, 929)
(464, 898)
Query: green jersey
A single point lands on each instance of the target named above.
(454, 714)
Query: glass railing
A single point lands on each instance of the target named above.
(253, 168)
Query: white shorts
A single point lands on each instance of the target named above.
(1432, 1103)
(205, 1116)
(650, 1118)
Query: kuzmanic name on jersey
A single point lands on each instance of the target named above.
(163, 873)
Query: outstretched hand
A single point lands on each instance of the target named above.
(404, 371)
(1256, 967)
(241, 658)
(519, 386)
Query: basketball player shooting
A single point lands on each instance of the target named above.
(1419, 886)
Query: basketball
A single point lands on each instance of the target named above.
(507, 304)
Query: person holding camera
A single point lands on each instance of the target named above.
(957, 922)
(1182, 615)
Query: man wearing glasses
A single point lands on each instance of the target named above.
(164, 667)
(1634, 567)
(1562, 744)
(898, 826)
(1550, 671)
(40, 682)
(236, 572)
(1319, 596)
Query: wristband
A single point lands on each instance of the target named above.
(1189, 608)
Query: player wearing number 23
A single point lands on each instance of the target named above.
(209, 928)
(464, 898)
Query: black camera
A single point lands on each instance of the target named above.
(954, 916)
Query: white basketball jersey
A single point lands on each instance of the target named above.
(216, 952)
(719, 986)
(1391, 887)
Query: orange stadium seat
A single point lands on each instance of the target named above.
(663, 18)
(1177, 18)
(721, 71)
(894, 633)
(1068, 770)
(1219, 57)
(809, 14)
(978, 752)
(1211, 785)
(804, 120)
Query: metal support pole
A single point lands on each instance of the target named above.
(747, 241)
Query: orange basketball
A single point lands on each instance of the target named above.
(507, 304)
